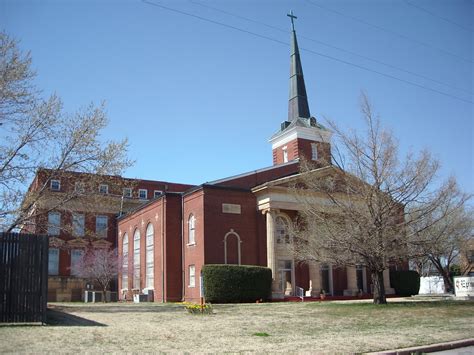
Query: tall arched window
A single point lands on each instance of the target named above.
(149, 256)
(281, 230)
(191, 229)
(136, 259)
(125, 261)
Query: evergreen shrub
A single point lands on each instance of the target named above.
(405, 283)
(236, 283)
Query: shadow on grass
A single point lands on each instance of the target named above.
(116, 308)
(63, 319)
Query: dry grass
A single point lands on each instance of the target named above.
(264, 328)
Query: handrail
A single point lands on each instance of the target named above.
(300, 292)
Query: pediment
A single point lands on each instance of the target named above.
(55, 242)
(101, 244)
(77, 243)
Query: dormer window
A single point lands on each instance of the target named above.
(314, 151)
(55, 185)
(285, 154)
(142, 194)
(103, 189)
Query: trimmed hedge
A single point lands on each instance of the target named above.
(236, 283)
(405, 283)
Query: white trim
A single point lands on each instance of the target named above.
(312, 134)
(146, 194)
(51, 185)
(106, 189)
(231, 232)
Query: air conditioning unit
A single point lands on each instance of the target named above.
(137, 298)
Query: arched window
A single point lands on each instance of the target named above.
(232, 248)
(281, 230)
(125, 261)
(191, 229)
(136, 259)
(149, 256)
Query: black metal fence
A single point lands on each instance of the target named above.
(23, 277)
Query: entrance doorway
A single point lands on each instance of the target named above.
(286, 274)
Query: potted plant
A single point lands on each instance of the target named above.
(322, 295)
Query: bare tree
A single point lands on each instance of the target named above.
(37, 135)
(99, 265)
(440, 238)
(361, 215)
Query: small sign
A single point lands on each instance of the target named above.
(231, 208)
(464, 286)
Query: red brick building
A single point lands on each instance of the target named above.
(79, 211)
(236, 220)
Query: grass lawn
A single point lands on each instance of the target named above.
(269, 327)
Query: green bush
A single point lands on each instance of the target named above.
(405, 283)
(236, 283)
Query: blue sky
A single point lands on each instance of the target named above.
(199, 100)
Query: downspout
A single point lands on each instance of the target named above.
(163, 204)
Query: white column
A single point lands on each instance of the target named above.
(352, 289)
(314, 279)
(271, 257)
(386, 282)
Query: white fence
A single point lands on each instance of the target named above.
(431, 285)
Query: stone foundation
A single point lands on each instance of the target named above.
(65, 289)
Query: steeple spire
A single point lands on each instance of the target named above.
(298, 101)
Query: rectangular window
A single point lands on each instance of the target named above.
(54, 223)
(53, 262)
(78, 224)
(142, 194)
(157, 193)
(127, 192)
(101, 226)
(314, 151)
(103, 189)
(55, 185)
(192, 276)
(76, 256)
(285, 154)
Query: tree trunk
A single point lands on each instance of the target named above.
(378, 287)
(448, 283)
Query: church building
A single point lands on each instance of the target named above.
(242, 219)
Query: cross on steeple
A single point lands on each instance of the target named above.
(292, 17)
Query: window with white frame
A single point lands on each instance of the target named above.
(125, 261)
(78, 224)
(79, 187)
(281, 230)
(314, 151)
(127, 192)
(142, 194)
(76, 256)
(55, 185)
(101, 226)
(149, 256)
(136, 259)
(157, 193)
(285, 154)
(103, 189)
(53, 261)
(191, 230)
(54, 223)
(192, 276)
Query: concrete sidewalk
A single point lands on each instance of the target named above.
(457, 344)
